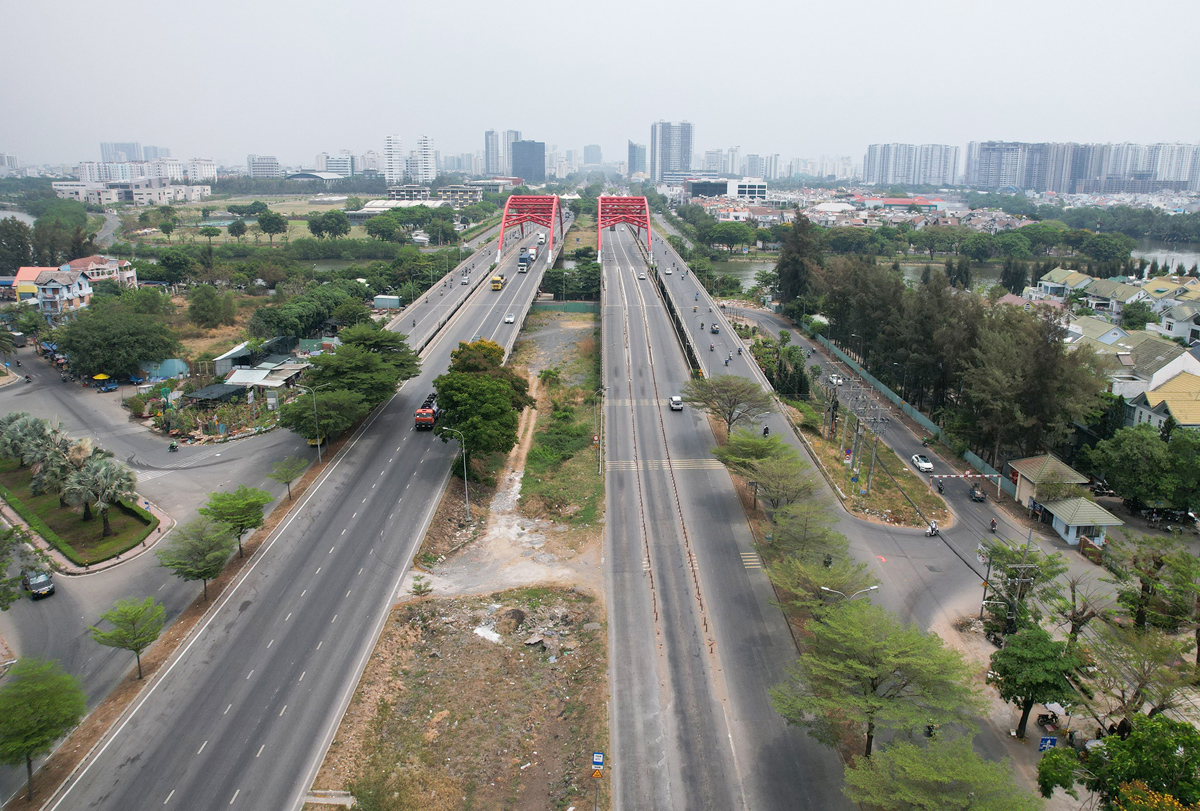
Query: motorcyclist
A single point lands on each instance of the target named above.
(993, 525)
(28, 379)
(711, 348)
(766, 430)
(174, 446)
(739, 350)
(941, 487)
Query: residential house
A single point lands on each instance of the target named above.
(1110, 297)
(1179, 321)
(1057, 284)
(1166, 291)
(1142, 361)
(26, 282)
(1031, 471)
(1027, 304)
(98, 267)
(1177, 397)
(1096, 329)
(61, 293)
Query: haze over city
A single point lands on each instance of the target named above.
(802, 79)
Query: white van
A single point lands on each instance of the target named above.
(541, 239)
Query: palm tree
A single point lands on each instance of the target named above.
(21, 435)
(102, 480)
(61, 456)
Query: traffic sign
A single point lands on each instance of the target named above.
(597, 760)
(595, 773)
(1048, 742)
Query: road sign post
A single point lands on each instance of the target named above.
(597, 766)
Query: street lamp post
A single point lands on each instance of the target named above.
(463, 441)
(852, 596)
(316, 422)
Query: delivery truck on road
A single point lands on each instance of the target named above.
(498, 281)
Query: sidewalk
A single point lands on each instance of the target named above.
(10, 518)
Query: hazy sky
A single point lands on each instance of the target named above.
(221, 79)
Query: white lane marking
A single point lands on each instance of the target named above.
(281, 712)
(343, 532)
(332, 548)
(301, 677)
(289, 616)
(269, 644)
(163, 586)
(333, 620)
(169, 796)
(201, 749)
(234, 797)
(354, 516)
(227, 709)
(360, 570)
(348, 592)
(248, 675)
(364, 501)
(318, 570)
(319, 644)
(264, 746)
(304, 592)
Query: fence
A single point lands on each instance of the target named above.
(568, 306)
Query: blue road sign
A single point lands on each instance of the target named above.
(597, 760)
(1048, 742)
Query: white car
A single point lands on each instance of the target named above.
(836, 380)
(510, 318)
(676, 402)
(466, 280)
(641, 275)
(921, 463)
(667, 272)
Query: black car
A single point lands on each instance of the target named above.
(38, 583)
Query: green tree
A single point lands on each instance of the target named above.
(198, 550)
(782, 479)
(799, 257)
(481, 407)
(391, 346)
(336, 411)
(110, 338)
(316, 224)
(802, 582)
(946, 775)
(210, 231)
(135, 625)
(177, 264)
(287, 470)
(354, 203)
(204, 306)
(241, 510)
(237, 229)
(15, 554)
(16, 245)
(272, 224)
(729, 398)
(1031, 669)
(1161, 753)
(732, 234)
(1137, 315)
(979, 246)
(102, 481)
(39, 703)
(1134, 672)
(865, 670)
(168, 228)
(336, 224)
(351, 312)
(1147, 571)
(353, 368)
(745, 447)
(1136, 463)
(1021, 598)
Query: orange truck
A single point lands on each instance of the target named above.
(427, 414)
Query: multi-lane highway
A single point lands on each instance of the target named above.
(243, 713)
(695, 641)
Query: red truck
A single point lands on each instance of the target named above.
(427, 414)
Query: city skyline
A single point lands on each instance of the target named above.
(813, 113)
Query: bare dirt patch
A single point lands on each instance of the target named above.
(478, 702)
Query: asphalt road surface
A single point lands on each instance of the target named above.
(243, 714)
(699, 641)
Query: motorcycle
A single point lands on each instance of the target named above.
(28, 379)
(766, 430)
(941, 487)
(711, 348)
(993, 527)
(931, 531)
(172, 448)
(925, 441)
(739, 350)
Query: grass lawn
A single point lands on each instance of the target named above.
(85, 538)
(583, 230)
(885, 500)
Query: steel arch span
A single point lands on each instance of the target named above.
(538, 209)
(629, 210)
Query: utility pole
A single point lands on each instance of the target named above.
(871, 470)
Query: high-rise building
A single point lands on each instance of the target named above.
(637, 159)
(733, 164)
(153, 153)
(670, 148)
(591, 155)
(200, 169)
(369, 161)
(393, 160)
(510, 137)
(343, 164)
(755, 166)
(714, 160)
(113, 152)
(426, 161)
(529, 161)
(911, 165)
(263, 166)
(492, 164)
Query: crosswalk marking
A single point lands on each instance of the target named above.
(145, 476)
(665, 464)
(645, 564)
(751, 560)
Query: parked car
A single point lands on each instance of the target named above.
(37, 582)
(921, 463)
(836, 380)
(676, 402)
(107, 385)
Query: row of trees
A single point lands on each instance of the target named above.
(1138, 223)
(58, 235)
